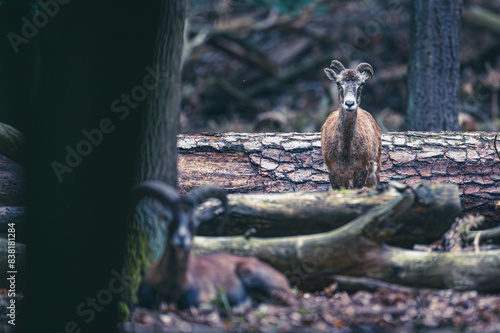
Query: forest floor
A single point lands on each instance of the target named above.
(386, 310)
(348, 305)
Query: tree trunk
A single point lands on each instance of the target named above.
(19, 64)
(434, 65)
(358, 249)
(93, 54)
(158, 158)
(290, 214)
(289, 162)
(161, 121)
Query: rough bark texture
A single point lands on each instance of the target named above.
(288, 162)
(158, 158)
(359, 249)
(290, 214)
(434, 66)
(161, 121)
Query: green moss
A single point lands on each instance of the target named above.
(123, 312)
(138, 257)
(221, 303)
(303, 311)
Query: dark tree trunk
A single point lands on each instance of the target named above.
(93, 52)
(19, 61)
(158, 158)
(433, 74)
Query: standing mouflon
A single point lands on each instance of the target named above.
(351, 141)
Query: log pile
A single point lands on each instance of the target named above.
(360, 248)
(300, 213)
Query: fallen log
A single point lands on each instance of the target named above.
(290, 162)
(287, 214)
(359, 249)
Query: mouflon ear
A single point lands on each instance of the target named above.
(330, 74)
(335, 69)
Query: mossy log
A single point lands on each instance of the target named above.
(359, 249)
(287, 214)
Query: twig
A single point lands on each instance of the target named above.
(353, 284)
(487, 234)
(476, 242)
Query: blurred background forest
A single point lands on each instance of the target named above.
(256, 65)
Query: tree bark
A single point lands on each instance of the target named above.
(359, 249)
(289, 162)
(434, 66)
(290, 214)
(161, 121)
(158, 158)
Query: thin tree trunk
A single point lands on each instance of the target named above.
(434, 66)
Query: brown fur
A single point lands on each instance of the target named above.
(350, 75)
(351, 141)
(206, 275)
(351, 144)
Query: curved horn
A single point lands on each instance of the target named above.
(159, 190)
(365, 67)
(337, 66)
(202, 194)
